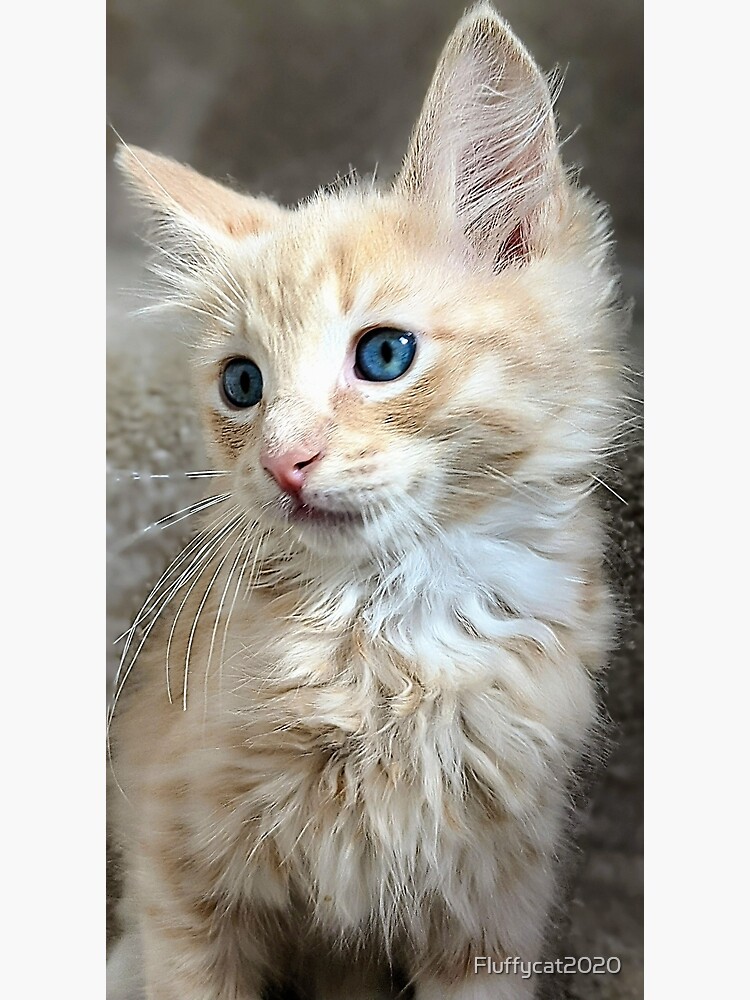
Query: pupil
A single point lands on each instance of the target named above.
(245, 382)
(386, 352)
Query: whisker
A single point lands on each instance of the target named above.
(196, 572)
(195, 624)
(180, 515)
(197, 566)
(177, 561)
(166, 522)
(122, 475)
(123, 672)
(222, 653)
(607, 487)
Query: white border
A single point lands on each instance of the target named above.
(53, 512)
(696, 364)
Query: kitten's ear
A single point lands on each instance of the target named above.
(180, 197)
(485, 144)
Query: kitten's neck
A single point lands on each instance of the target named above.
(514, 574)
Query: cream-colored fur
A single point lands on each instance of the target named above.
(347, 742)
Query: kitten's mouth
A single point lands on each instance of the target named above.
(305, 513)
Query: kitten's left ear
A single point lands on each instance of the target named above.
(184, 200)
(485, 145)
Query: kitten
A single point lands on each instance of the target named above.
(349, 714)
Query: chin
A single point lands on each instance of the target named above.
(326, 532)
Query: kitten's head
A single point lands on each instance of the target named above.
(376, 366)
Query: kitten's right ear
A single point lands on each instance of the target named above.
(484, 149)
(186, 201)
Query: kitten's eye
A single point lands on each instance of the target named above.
(242, 382)
(384, 354)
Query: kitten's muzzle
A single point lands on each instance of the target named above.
(290, 470)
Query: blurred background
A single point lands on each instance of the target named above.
(279, 96)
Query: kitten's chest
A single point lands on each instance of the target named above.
(347, 723)
(325, 744)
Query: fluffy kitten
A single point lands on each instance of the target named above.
(349, 714)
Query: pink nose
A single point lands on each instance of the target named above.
(290, 468)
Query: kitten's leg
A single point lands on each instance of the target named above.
(186, 965)
(125, 969)
(197, 949)
(496, 963)
(478, 974)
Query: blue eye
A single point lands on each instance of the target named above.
(384, 354)
(242, 382)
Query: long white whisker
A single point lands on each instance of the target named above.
(121, 475)
(167, 521)
(227, 585)
(607, 487)
(195, 624)
(197, 566)
(180, 515)
(154, 596)
(195, 572)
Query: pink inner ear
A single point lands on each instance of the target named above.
(486, 143)
(515, 247)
